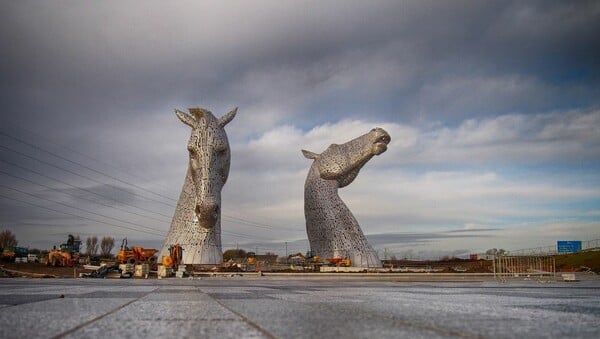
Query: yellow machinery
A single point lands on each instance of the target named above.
(175, 256)
(136, 254)
(310, 260)
(7, 254)
(343, 262)
(66, 255)
(250, 258)
(296, 255)
(251, 262)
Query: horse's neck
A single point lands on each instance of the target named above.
(187, 197)
(320, 190)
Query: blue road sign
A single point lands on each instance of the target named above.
(568, 246)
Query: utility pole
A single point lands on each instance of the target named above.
(286, 249)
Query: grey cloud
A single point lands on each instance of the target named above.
(165, 55)
(473, 230)
(411, 238)
(559, 137)
(106, 194)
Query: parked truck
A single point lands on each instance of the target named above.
(13, 254)
(136, 254)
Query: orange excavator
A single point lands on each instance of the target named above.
(136, 254)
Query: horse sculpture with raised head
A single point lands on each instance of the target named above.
(196, 224)
(332, 229)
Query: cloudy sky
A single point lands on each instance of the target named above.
(493, 108)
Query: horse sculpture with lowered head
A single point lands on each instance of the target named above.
(332, 229)
(196, 224)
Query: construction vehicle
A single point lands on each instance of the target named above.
(66, 255)
(250, 258)
(340, 262)
(175, 256)
(7, 254)
(309, 260)
(13, 254)
(251, 263)
(136, 254)
(21, 254)
(292, 258)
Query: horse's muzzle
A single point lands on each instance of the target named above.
(207, 213)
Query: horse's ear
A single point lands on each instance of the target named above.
(224, 120)
(309, 154)
(185, 118)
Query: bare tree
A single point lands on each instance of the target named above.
(495, 251)
(7, 239)
(91, 246)
(233, 254)
(106, 245)
(88, 246)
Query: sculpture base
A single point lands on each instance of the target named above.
(200, 246)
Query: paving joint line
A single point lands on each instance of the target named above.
(80, 326)
(243, 317)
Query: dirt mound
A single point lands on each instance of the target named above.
(578, 262)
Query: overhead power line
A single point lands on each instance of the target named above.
(79, 216)
(84, 166)
(225, 216)
(151, 229)
(85, 155)
(80, 209)
(82, 198)
(81, 175)
(260, 225)
(248, 222)
(83, 189)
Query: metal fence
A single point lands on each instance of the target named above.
(551, 249)
(516, 266)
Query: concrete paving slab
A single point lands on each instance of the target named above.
(110, 328)
(292, 308)
(49, 318)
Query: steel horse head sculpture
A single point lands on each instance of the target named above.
(196, 224)
(332, 229)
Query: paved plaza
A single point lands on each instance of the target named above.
(243, 307)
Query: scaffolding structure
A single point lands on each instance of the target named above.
(515, 266)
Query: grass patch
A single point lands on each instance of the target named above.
(573, 262)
